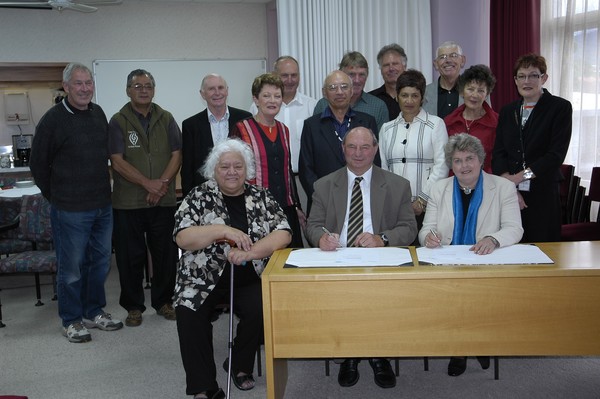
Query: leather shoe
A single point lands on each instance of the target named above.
(348, 374)
(218, 394)
(484, 361)
(457, 366)
(382, 372)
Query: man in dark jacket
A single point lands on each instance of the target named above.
(204, 130)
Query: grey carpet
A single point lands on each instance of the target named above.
(144, 362)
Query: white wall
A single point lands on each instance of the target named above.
(132, 30)
(466, 22)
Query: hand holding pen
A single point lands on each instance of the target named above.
(329, 241)
(433, 239)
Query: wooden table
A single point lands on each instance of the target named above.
(515, 310)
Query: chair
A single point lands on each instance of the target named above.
(577, 204)
(568, 171)
(9, 219)
(34, 226)
(586, 231)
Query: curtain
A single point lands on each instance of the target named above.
(318, 33)
(570, 41)
(514, 31)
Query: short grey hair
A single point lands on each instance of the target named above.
(72, 67)
(229, 145)
(449, 44)
(284, 58)
(463, 142)
(212, 75)
(392, 48)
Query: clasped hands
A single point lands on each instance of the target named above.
(156, 188)
(241, 246)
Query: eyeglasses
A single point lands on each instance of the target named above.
(444, 57)
(140, 87)
(334, 88)
(532, 77)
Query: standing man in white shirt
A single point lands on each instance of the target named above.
(206, 129)
(296, 107)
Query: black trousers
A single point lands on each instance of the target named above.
(292, 218)
(135, 232)
(195, 332)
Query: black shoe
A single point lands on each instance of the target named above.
(218, 394)
(348, 374)
(239, 381)
(484, 361)
(383, 374)
(457, 366)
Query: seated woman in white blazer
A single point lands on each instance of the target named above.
(470, 208)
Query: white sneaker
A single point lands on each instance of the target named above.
(76, 332)
(104, 321)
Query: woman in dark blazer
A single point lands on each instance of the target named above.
(532, 139)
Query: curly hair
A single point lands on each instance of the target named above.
(229, 145)
(463, 142)
(479, 74)
(266, 79)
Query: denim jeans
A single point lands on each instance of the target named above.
(83, 249)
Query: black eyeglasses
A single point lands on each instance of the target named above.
(531, 77)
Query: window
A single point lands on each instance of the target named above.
(570, 39)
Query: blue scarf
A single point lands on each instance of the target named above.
(465, 235)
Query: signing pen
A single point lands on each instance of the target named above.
(327, 231)
(436, 236)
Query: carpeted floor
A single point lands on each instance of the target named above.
(144, 362)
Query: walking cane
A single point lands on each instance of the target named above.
(230, 343)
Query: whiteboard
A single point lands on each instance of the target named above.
(177, 83)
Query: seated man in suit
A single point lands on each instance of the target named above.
(374, 211)
(201, 132)
(322, 134)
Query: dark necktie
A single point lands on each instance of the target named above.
(355, 218)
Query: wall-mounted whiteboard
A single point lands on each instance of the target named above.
(177, 83)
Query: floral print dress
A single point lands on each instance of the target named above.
(198, 271)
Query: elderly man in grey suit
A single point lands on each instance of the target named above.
(387, 219)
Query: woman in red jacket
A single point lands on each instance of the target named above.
(475, 116)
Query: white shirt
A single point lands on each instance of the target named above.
(365, 187)
(219, 128)
(293, 115)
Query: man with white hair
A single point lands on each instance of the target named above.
(442, 97)
(201, 132)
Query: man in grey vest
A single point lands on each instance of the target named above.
(145, 153)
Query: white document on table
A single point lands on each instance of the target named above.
(453, 255)
(350, 257)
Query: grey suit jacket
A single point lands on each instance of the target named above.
(391, 210)
(499, 215)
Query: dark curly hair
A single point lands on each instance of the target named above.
(479, 74)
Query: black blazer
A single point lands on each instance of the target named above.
(320, 149)
(546, 137)
(196, 145)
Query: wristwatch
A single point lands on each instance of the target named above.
(385, 240)
(528, 174)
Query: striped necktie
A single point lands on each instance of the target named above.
(355, 218)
